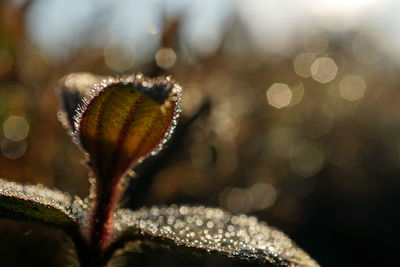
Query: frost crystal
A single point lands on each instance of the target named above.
(214, 230)
(72, 207)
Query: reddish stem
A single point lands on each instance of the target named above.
(101, 224)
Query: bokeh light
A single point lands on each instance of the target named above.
(316, 120)
(316, 42)
(324, 69)
(120, 56)
(205, 42)
(297, 93)
(279, 95)
(352, 87)
(16, 128)
(302, 64)
(264, 195)
(307, 159)
(366, 48)
(165, 58)
(259, 196)
(81, 80)
(236, 200)
(281, 140)
(13, 150)
(191, 100)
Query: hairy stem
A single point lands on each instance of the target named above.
(101, 222)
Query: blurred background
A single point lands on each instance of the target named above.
(291, 111)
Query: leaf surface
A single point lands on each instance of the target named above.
(212, 231)
(126, 120)
(40, 204)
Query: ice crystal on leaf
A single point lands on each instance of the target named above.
(214, 231)
(37, 203)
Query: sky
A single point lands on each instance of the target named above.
(60, 27)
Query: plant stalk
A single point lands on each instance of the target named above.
(101, 222)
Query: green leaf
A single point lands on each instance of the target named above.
(126, 120)
(40, 204)
(213, 231)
